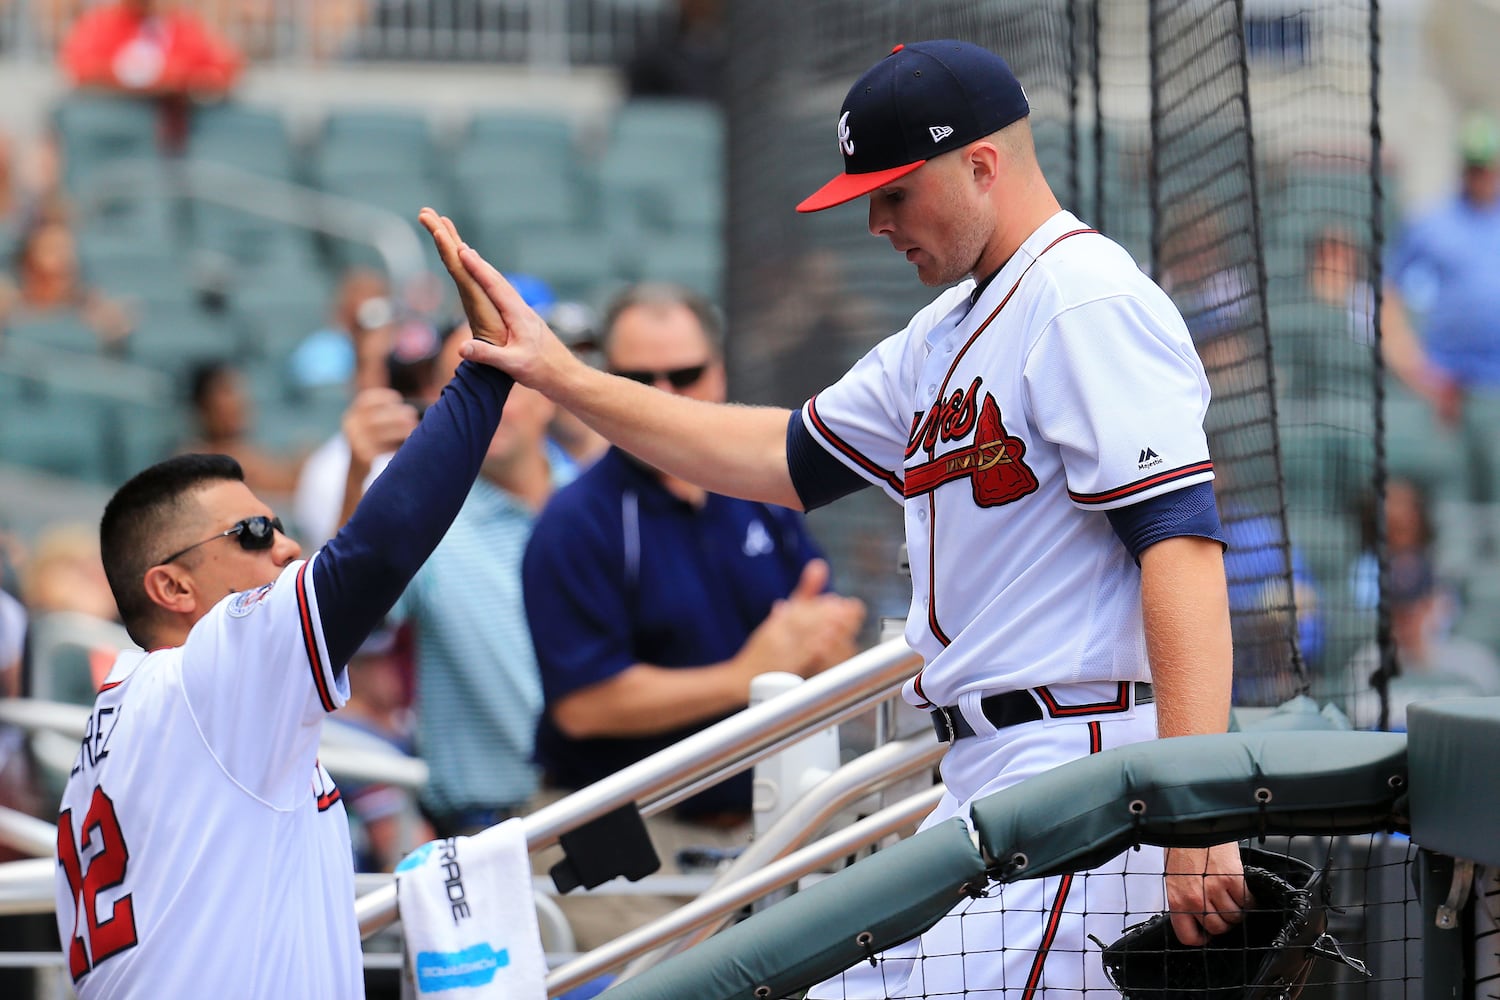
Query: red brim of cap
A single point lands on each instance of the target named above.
(847, 187)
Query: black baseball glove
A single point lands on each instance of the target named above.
(1266, 956)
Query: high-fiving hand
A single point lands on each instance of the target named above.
(508, 333)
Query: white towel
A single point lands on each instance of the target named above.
(469, 919)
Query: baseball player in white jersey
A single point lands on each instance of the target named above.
(202, 849)
(1041, 423)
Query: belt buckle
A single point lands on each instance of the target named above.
(948, 723)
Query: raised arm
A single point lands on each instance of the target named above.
(732, 450)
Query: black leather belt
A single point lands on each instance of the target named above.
(1015, 707)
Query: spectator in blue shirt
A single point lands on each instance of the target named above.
(1442, 305)
(653, 603)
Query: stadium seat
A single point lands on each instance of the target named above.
(576, 263)
(249, 240)
(400, 195)
(56, 434)
(145, 210)
(1421, 449)
(511, 199)
(489, 132)
(669, 125)
(275, 316)
(95, 131)
(693, 261)
(246, 138)
(369, 142)
(1316, 353)
(1480, 618)
(129, 270)
(1309, 460)
(171, 338)
(60, 330)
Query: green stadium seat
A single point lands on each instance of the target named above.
(668, 124)
(56, 435)
(95, 131)
(171, 338)
(1317, 353)
(144, 212)
(129, 270)
(276, 317)
(59, 330)
(364, 142)
(1329, 542)
(248, 239)
(504, 201)
(1480, 618)
(144, 435)
(576, 263)
(1310, 456)
(512, 130)
(1419, 448)
(692, 261)
(247, 138)
(402, 195)
(1481, 443)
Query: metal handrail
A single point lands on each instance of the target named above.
(356, 763)
(725, 748)
(716, 903)
(28, 886)
(390, 235)
(872, 772)
(22, 832)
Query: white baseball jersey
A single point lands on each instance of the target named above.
(1005, 428)
(202, 849)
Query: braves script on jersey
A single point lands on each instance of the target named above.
(197, 790)
(1070, 387)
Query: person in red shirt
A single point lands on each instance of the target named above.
(149, 47)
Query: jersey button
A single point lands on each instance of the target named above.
(932, 388)
(921, 515)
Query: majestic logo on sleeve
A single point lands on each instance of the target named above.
(846, 140)
(992, 461)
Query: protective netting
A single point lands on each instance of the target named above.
(1208, 151)
(1358, 904)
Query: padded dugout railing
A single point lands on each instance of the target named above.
(1198, 790)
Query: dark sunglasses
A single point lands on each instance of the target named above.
(679, 378)
(255, 534)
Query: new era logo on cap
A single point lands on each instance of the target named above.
(969, 90)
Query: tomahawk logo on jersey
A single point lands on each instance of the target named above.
(141, 857)
(1012, 421)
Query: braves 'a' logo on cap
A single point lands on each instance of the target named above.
(846, 140)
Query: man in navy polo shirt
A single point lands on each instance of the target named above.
(653, 603)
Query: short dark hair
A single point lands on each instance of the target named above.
(136, 517)
(664, 293)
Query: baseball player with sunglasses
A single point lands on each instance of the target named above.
(202, 849)
(1041, 422)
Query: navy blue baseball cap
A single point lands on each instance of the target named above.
(922, 100)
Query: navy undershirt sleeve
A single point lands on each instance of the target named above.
(817, 476)
(1188, 511)
(363, 569)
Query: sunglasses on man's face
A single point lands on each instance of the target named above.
(255, 534)
(678, 378)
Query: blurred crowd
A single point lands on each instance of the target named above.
(385, 354)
